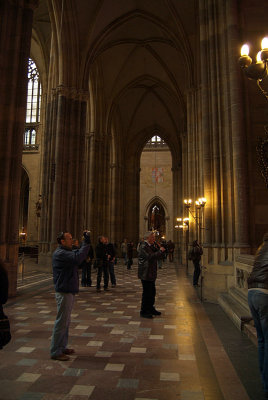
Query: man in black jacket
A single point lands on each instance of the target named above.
(258, 304)
(5, 335)
(147, 273)
(101, 252)
(65, 264)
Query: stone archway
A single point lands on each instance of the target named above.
(157, 218)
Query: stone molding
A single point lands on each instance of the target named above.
(71, 93)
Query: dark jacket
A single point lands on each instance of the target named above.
(196, 253)
(147, 261)
(3, 285)
(259, 275)
(101, 254)
(130, 251)
(110, 250)
(89, 258)
(65, 268)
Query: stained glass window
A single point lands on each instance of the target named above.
(33, 104)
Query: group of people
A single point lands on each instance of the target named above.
(69, 256)
(104, 263)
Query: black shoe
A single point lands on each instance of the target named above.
(145, 315)
(98, 289)
(196, 285)
(155, 312)
(106, 289)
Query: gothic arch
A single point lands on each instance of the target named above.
(156, 215)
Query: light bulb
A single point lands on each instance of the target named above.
(258, 57)
(244, 50)
(264, 43)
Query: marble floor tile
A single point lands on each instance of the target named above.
(28, 377)
(114, 367)
(82, 390)
(119, 356)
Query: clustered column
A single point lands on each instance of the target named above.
(15, 41)
(64, 167)
(222, 132)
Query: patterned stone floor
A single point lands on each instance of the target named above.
(119, 356)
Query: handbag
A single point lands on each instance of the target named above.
(5, 335)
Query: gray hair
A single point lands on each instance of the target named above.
(147, 234)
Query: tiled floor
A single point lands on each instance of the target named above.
(119, 356)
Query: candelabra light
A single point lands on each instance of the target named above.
(258, 72)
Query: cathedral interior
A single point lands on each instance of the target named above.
(123, 116)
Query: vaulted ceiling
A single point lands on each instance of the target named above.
(139, 55)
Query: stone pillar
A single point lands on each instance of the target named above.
(15, 42)
(205, 127)
(64, 168)
(240, 173)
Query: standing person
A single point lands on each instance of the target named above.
(111, 261)
(86, 268)
(258, 304)
(102, 263)
(65, 262)
(124, 250)
(147, 273)
(130, 247)
(5, 335)
(195, 255)
(171, 248)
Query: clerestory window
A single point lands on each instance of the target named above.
(34, 94)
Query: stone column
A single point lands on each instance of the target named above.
(15, 42)
(240, 173)
(205, 126)
(64, 168)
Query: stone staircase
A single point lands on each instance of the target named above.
(235, 305)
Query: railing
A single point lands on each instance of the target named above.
(243, 267)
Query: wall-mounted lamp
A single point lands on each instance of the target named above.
(258, 72)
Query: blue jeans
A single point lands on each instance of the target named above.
(65, 302)
(258, 304)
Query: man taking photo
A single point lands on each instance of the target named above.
(65, 262)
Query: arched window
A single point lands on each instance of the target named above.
(33, 106)
(154, 142)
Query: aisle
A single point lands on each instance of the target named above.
(119, 356)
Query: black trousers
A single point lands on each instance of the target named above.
(197, 271)
(103, 270)
(148, 296)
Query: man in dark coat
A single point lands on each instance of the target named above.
(65, 262)
(101, 252)
(195, 256)
(3, 288)
(86, 268)
(258, 304)
(111, 261)
(147, 273)
(5, 335)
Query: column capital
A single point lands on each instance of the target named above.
(71, 92)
